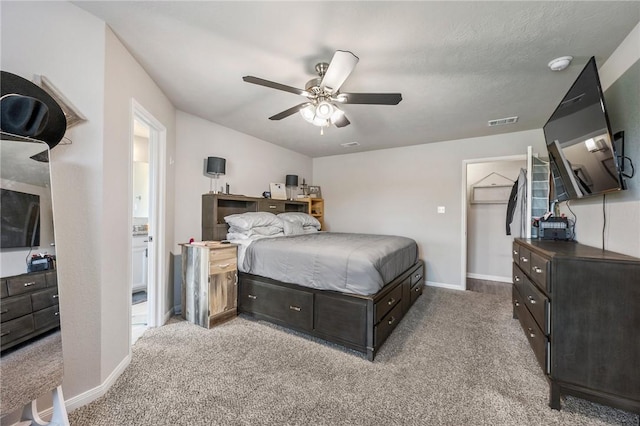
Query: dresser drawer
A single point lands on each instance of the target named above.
(292, 306)
(3, 288)
(535, 336)
(387, 303)
(14, 307)
(44, 299)
(539, 272)
(51, 278)
(15, 329)
(535, 301)
(47, 318)
(515, 252)
(525, 259)
(25, 283)
(387, 324)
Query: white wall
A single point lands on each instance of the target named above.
(90, 185)
(397, 191)
(620, 79)
(488, 245)
(251, 165)
(66, 44)
(126, 79)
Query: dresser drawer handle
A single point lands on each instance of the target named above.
(5, 333)
(55, 296)
(524, 259)
(273, 207)
(531, 300)
(418, 276)
(295, 308)
(531, 333)
(392, 320)
(516, 303)
(30, 284)
(538, 270)
(417, 290)
(515, 252)
(251, 296)
(56, 314)
(391, 301)
(516, 278)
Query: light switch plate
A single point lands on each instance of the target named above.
(441, 209)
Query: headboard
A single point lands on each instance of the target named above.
(216, 206)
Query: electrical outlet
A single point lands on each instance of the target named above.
(441, 209)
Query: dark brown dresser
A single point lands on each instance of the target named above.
(579, 307)
(28, 307)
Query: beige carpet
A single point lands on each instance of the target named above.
(457, 358)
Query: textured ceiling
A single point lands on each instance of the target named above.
(457, 64)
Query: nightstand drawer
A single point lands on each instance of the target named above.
(272, 206)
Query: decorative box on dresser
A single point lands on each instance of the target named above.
(579, 307)
(209, 282)
(29, 306)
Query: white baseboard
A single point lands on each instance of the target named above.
(167, 315)
(489, 278)
(443, 285)
(95, 393)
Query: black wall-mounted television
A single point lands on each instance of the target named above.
(20, 222)
(580, 143)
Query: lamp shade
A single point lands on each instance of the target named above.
(216, 165)
(291, 180)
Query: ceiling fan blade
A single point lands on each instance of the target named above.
(370, 98)
(274, 85)
(341, 121)
(341, 66)
(288, 112)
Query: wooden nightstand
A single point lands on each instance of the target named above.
(209, 282)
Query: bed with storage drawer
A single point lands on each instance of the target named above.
(348, 289)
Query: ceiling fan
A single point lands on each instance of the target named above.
(323, 93)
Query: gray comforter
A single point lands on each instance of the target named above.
(349, 263)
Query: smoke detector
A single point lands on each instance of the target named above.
(558, 64)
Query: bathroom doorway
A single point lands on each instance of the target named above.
(147, 201)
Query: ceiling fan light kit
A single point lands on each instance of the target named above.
(323, 92)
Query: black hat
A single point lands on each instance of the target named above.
(27, 110)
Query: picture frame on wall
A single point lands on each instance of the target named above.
(315, 191)
(278, 191)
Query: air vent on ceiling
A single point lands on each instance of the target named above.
(502, 121)
(349, 144)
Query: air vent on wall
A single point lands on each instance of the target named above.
(349, 144)
(502, 121)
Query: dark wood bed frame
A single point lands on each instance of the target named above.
(357, 322)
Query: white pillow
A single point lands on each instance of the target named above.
(246, 221)
(293, 228)
(302, 218)
(256, 230)
(309, 229)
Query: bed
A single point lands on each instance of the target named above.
(348, 289)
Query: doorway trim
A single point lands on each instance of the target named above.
(157, 206)
(465, 198)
